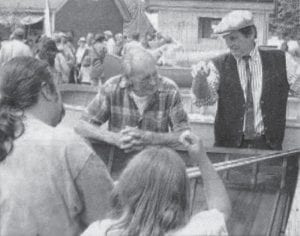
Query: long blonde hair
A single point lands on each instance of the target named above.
(152, 195)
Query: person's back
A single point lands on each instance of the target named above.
(39, 183)
(51, 182)
(204, 223)
(12, 49)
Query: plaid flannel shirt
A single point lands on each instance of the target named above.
(114, 103)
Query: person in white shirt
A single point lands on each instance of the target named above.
(14, 47)
(152, 196)
(134, 42)
(80, 50)
(169, 52)
(110, 42)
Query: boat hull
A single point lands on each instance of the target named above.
(261, 195)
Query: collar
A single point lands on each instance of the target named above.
(254, 55)
(33, 123)
(126, 84)
(29, 118)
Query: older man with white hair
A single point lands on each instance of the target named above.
(141, 107)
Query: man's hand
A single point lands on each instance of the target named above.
(193, 145)
(123, 141)
(131, 139)
(201, 70)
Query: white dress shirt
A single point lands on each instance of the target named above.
(255, 64)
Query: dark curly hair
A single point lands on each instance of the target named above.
(21, 80)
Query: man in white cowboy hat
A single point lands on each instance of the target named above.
(250, 84)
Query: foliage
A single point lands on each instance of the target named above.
(285, 21)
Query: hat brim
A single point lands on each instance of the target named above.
(227, 32)
(223, 33)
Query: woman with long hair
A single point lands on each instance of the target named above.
(51, 182)
(152, 198)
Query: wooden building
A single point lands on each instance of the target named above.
(190, 21)
(79, 16)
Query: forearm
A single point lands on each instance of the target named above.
(166, 139)
(214, 188)
(90, 131)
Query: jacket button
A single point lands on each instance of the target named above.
(262, 102)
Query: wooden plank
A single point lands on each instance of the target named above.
(241, 151)
(286, 213)
(294, 217)
(238, 216)
(277, 226)
(244, 213)
(263, 219)
(275, 215)
(251, 207)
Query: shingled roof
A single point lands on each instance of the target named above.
(55, 5)
(131, 10)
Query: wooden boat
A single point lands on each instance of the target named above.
(261, 194)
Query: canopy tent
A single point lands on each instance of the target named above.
(22, 19)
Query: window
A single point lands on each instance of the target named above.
(205, 26)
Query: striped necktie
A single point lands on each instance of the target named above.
(249, 132)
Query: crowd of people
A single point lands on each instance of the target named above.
(82, 63)
(53, 183)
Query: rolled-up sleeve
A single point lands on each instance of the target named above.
(206, 89)
(98, 111)
(178, 116)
